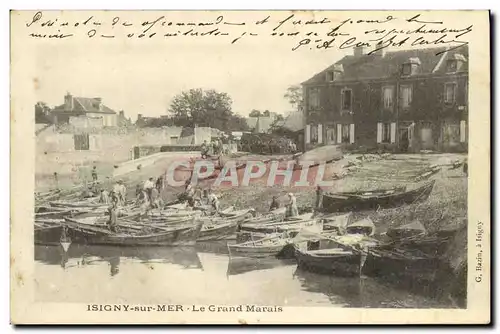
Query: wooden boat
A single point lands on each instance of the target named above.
(266, 247)
(337, 223)
(400, 264)
(91, 203)
(48, 231)
(217, 230)
(341, 202)
(182, 234)
(293, 226)
(364, 226)
(339, 255)
(413, 229)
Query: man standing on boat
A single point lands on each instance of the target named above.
(104, 198)
(148, 188)
(113, 216)
(291, 209)
(213, 201)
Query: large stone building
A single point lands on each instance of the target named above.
(83, 111)
(401, 101)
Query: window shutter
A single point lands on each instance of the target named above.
(379, 133)
(339, 133)
(320, 133)
(462, 132)
(351, 133)
(393, 132)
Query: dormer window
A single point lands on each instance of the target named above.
(410, 67)
(335, 74)
(451, 65)
(330, 76)
(455, 63)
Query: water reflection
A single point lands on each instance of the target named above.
(202, 275)
(81, 255)
(238, 266)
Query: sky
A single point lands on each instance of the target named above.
(142, 75)
(144, 80)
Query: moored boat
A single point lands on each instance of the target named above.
(266, 247)
(289, 226)
(373, 200)
(363, 226)
(182, 234)
(217, 230)
(338, 255)
(337, 223)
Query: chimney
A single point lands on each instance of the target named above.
(380, 52)
(68, 101)
(98, 102)
(122, 114)
(359, 51)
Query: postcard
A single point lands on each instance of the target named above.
(250, 167)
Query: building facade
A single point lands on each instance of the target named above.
(402, 101)
(76, 109)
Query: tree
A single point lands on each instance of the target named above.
(202, 108)
(255, 113)
(238, 123)
(294, 96)
(266, 113)
(42, 113)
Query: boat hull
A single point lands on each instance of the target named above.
(217, 231)
(397, 268)
(332, 203)
(340, 265)
(185, 235)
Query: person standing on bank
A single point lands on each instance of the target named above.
(204, 150)
(319, 198)
(292, 210)
(274, 204)
(94, 174)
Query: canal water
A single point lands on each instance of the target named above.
(204, 275)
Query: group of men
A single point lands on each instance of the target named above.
(291, 205)
(213, 148)
(194, 197)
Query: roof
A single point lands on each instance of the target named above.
(294, 121)
(263, 123)
(87, 105)
(432, 60)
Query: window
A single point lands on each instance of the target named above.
(81, 142)
(406, 69)
(451, 65)
(406, 96)
(314, 101)
(330, 135)
(345, 133)
(463, 131)
(314, 134)
(346, 99)
(387, 97)
(330, 76)
(450, 89)
(386, 132)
